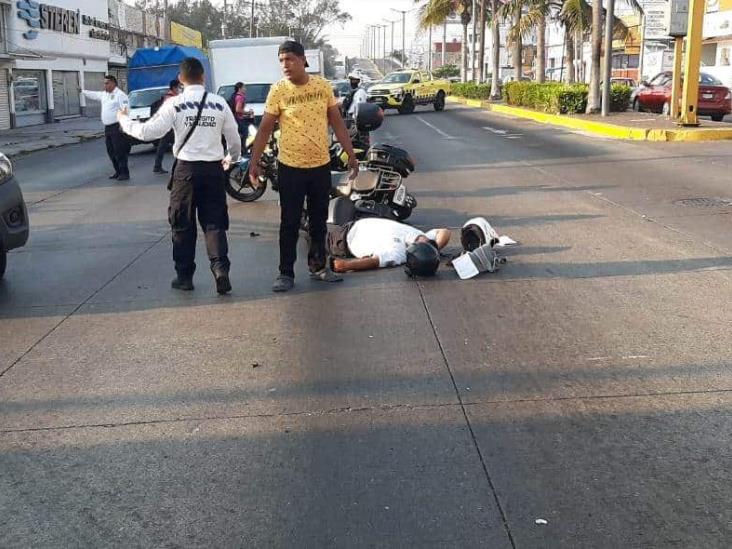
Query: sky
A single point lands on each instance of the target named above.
(349, 38)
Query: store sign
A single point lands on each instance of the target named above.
(656, 25)
(45, 17)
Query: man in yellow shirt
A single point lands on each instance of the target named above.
(304, 106)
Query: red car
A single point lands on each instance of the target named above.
(715, 99)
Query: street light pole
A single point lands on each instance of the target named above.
(223, 22)
(404, 34)
(251, 22)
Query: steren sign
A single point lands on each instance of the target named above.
(43, 16)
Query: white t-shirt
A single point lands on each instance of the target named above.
(383, 238)
(112, 103)
(359, 96)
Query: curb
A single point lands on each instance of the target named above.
(602, 129)
(18, 150)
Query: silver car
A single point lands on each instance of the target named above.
(13, 213)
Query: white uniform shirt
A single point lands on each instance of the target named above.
(383, 238)
(359, 96)
(112, 102)
(179, 113)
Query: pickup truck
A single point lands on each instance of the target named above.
(404, 90)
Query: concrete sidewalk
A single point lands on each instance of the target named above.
(20, 141)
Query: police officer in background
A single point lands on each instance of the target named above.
(199, 120)
(113, 100)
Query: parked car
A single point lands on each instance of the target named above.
(623, 81)
(715, 100)
(13, 213)
(141, 102)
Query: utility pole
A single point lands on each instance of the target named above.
(609, 20)
(404, 35)
(429, 39)
(223, 21)
(251, 22)
(391, 51)
(444, 41)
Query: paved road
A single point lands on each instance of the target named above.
(586, 384)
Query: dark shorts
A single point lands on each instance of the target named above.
(337, 242)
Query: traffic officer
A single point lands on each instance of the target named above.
(199, 121)
(113, 100)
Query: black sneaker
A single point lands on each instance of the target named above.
(114, 176)
(160, 170)
(283, 283)
(123, 177)
(326, 275)
(223, 284)
(184, 283)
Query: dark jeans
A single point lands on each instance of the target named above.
(163, 145)
(295, 185)
(118, 148)
(198, 187)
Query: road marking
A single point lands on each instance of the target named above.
(438, 130)
(495, 130)
(514, 136)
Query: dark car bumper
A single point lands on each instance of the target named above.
(13, 216)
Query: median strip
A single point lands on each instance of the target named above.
(603, 129)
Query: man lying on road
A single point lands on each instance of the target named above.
(372, 243)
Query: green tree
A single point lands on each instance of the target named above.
(435, 12)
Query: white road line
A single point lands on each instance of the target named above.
(438, 130)
(495, 130)
(514, 136)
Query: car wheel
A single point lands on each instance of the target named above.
(717, 117)
(3, 262)
(407, 105)
(636, 105)
(440, 102)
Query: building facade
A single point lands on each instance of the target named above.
(57, 49)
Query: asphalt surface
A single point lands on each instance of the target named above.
(579, 397)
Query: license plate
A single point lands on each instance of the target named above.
(400, 196)
(708, 96)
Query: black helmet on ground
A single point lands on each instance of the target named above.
(423, 259)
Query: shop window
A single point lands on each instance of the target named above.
(30, 92)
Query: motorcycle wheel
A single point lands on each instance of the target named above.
(402, 212)
(239, 188)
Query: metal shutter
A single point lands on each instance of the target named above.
(93, 81)
(4, 101)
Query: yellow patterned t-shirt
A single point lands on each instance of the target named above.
(303, 115)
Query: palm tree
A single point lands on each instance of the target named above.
(496, 39)
(512, 9)
(434, 14)
(593, 99)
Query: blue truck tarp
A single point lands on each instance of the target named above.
(156, 67)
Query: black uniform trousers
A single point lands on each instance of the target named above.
(297, 184)
(198, 187)
(163, 146)
(118, 148)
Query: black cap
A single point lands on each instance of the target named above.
(291, 46)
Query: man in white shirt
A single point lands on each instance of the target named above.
(358, 94)
(113, 100)
(373, 242)
(199, 120)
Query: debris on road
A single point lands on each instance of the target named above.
(254, 235)
(541, 521)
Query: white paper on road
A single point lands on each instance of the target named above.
(504, 241)
(465, 267)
